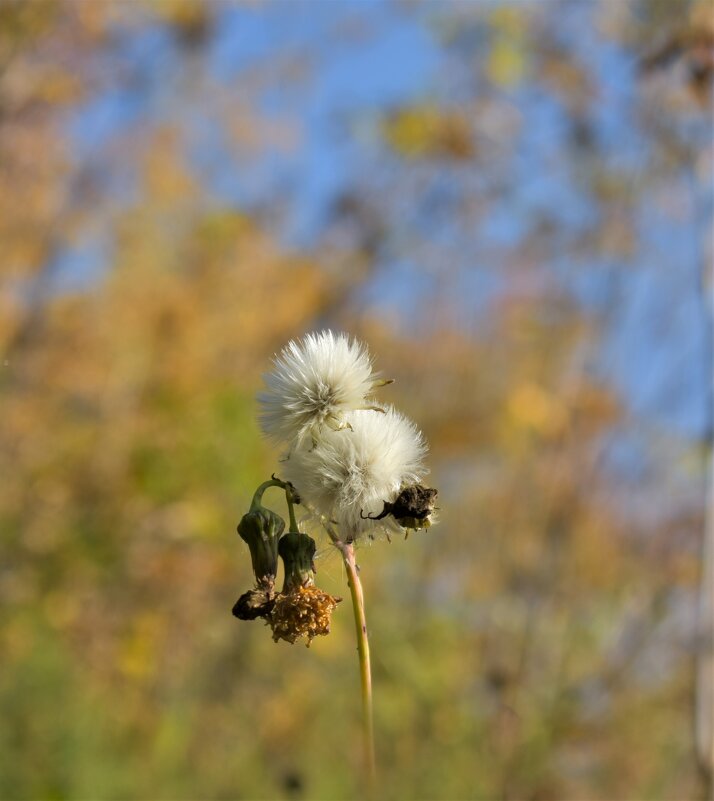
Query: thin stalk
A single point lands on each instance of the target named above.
(704, 693)
(347, 550)
(284, 485)
(258, 495)
(291, 508)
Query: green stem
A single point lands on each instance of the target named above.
(258, 496)
(291, 507)
(276, 482)
(347, 550)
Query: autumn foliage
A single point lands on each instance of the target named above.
(530, 646)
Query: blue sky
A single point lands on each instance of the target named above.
(332, 71)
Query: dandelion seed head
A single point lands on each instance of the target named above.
(349, 474)
(314, 383)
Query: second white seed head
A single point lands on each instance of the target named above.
(347, 475)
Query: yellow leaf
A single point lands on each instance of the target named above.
(506, 63)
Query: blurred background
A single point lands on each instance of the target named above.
(511, 204)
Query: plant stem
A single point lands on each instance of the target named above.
(291, 507)
(347, 550)
(258, 495)
(284, 485)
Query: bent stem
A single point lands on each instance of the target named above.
(347, 550)
(258, 495)
(289, 498)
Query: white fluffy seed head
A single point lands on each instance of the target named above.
(349, 474)
(315, 381)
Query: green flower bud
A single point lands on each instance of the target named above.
(297, 551)
(261, 529)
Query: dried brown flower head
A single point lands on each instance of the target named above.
(302, 612)
(257, 602)
(412, 508)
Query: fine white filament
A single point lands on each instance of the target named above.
(314, 383)
(347, 475)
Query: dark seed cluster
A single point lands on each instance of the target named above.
(412, 508)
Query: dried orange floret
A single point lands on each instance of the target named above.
(302, 612)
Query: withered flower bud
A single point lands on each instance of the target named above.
(412, 508)
(261, 529)
(257, 602)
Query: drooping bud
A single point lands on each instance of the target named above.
(261, 529)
